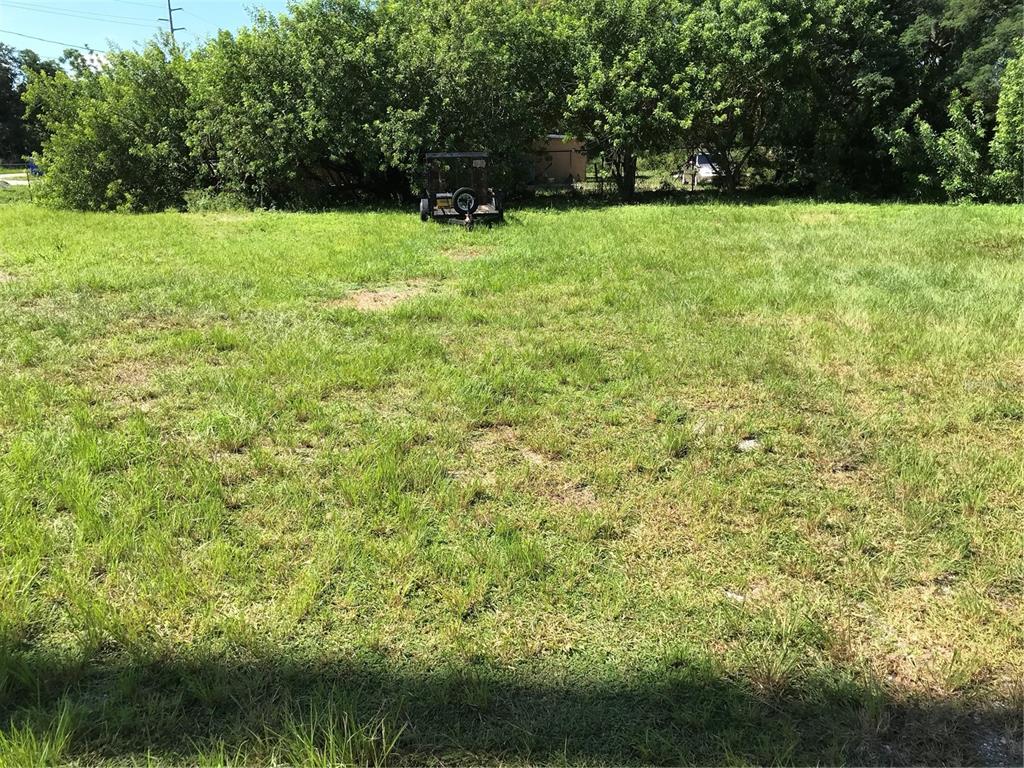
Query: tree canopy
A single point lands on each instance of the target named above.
(337, 99)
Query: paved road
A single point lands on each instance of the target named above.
(14, 179)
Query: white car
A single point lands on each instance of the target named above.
(698, 169)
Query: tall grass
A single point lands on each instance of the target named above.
(640, 484)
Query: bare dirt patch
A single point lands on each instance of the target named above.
(381, 298)
(573, 494)
(127, 383)
(133, 374)
(505, 439)
(6, 277)
(467, 252)
(496, 450)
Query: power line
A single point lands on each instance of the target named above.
(201, 18)
(21, 4)
(85, 15)
(45, 40)
(81, 16)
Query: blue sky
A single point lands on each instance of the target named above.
(121, 23)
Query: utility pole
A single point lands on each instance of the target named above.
(170, 22)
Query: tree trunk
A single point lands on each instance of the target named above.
(625, 174)
(728, 171)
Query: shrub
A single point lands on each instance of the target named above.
(211, 201)
(1008, 142)
(115, 139)
(959, 154)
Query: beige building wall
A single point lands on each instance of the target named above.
(559, 161)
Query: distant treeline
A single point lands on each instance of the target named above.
(338, 99)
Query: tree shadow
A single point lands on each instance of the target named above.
(560, 200)
(683, 712)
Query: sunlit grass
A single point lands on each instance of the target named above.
(651, 483)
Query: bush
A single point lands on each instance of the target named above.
(959, 154)
(211, 201)
(1008, 142)
(115, 138)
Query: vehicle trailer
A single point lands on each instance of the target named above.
(457, 190)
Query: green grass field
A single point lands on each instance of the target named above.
(645, 484)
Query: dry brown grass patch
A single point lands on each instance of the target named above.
(127, 382)
(505, 439)
(467, 252)
(381, 298)
(499, 447)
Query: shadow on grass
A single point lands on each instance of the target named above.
(683, 712)
(569, 200)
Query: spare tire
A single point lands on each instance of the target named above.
(464, 201)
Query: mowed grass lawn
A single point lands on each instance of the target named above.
(642, 484)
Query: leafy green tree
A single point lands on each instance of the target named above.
(343, 91)
(281, 111)
(632, 93)
(336, 98)
(957, 45)
(11, 108)
(959, 154)
(1008, 143)
(115, 140)
(750, 62)
(853, 84)
(246, 126)
(32, 62)
(481, 74)
(18, 136)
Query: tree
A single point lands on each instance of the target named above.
(1008, 142)
(282, 109)
(957, 45)
(631, 93)
(854, 84)
(751, 65)
(115, 139)
(481, 74)
(11, 108)
(959, 153)
(18, 137)
(31, 62)
(246, 131)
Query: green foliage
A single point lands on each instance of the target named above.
(836, 150)
(958, 45)
(340, 98)
(212, 201)
(632, 94)
(481, 74)
(116, 139)
(750, 60)
(18, 137)
(246, 94)
(1008, 142)
(280, 109)
(10, 105)
(958, 154)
